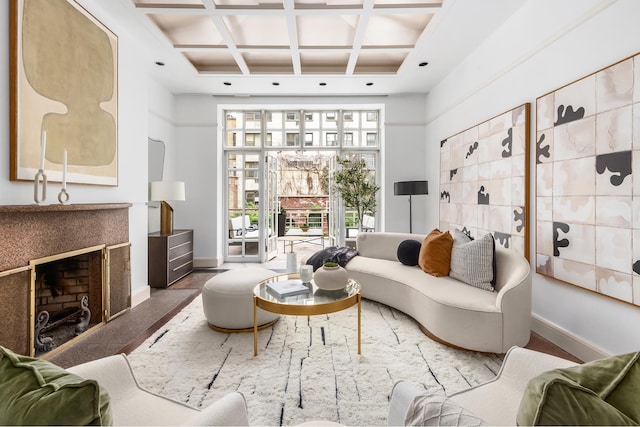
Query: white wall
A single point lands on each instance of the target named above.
(198, 161)
(133, 129)
(546, 44)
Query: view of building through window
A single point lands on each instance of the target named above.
(297, 194)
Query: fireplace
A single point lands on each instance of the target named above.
(64, 270)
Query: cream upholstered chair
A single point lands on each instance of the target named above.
(496, 402)
(133, 405)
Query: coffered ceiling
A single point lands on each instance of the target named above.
(305, 47)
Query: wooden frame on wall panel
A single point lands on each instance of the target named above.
(587, 196)
(64, 81)
(484, 180)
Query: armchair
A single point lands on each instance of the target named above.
(133, 405)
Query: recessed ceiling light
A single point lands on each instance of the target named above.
(423, 64)
(227, 83)
(275, 84)
(160, 63)
(322, 84)
(369, 83)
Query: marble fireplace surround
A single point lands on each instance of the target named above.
(32, 232)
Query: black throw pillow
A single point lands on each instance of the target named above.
(408, 252)
(341, 255)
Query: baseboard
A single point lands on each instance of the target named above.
(140, 296)
(207, 262)
(580, 348)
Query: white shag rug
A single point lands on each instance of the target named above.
(305, 369)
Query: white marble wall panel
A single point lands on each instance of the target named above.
(500, 219)
(574, 177)
(544, 264)
(544, 209)
(614, 130)
(577, 273)
(614, 211)
(518, 136)
(636, 78)
(518, 116)
(501, 168)
(470, 191)
(518, 227)
(614, 86)
(606, 187)
(544, 237)
(545, 112)
(582, 243)
(636, 289)
(456, 192)
(579, 94)
(635, 212)
(575, 209)
(517, 244)
(484, 217)
(484, 130)
(614, 284)
(500, 192)
(500, 124)
(470, 173)
(470, 215)
(575, 139)
(518, 166)
(544, 179)
(518, 189)
(636, 125)
(614, 249)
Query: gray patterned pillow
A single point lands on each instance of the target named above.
(435, 409)
(473, 261)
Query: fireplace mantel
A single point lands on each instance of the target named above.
(34, 231)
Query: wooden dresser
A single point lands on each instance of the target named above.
(170, 257)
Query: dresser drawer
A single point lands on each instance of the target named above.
(180, 267)
(181, 249)
(180, 238)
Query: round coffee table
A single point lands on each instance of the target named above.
(314, 301)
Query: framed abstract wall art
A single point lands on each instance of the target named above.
(64, 93)
(484, 179)
(587, 196)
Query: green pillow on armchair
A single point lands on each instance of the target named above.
(602, 392)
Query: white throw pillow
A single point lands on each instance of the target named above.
(472, 261)
(436, 409)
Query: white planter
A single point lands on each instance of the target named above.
(331, 278)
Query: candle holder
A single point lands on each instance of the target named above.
(63, 196)
(40, 191)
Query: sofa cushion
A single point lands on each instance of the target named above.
(602, 392)
(435, 253)
(37, 392)
(473, 261)
(409, 251)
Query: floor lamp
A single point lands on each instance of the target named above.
(162, 191)
(410, 188)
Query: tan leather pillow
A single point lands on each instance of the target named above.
(435, 253)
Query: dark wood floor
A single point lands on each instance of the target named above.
(125, 333)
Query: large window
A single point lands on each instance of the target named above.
(331, 128)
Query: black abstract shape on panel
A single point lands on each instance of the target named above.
(483, 198)
(444, 141)
(519, 217)
(452, 172)
(557, 244)
(542, 151)
(473, 147)
(445, 195)
(636, 267)
(568, 115)
(503, 238)
(467, 232)
(618, 163)
(508, 144)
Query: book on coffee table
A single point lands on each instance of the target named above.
(287, 288)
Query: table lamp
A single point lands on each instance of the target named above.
(410, 188)
(162, 191)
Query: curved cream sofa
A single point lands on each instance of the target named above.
(448, 310)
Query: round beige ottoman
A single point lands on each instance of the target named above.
(227, 300)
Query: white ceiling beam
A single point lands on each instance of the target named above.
(363, 22)
(298, 11)
(226, 38)
(292, 29)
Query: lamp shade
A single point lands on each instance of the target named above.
(409, 188)
(167, 190)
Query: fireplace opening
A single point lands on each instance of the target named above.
(68, 298)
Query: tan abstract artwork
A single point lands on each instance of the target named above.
(587, 182)
(63, 90)
(484, 180)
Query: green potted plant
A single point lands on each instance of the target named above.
(356, 184)
(304, 227)
(331, 276)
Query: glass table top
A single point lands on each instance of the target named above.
(314, 295)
